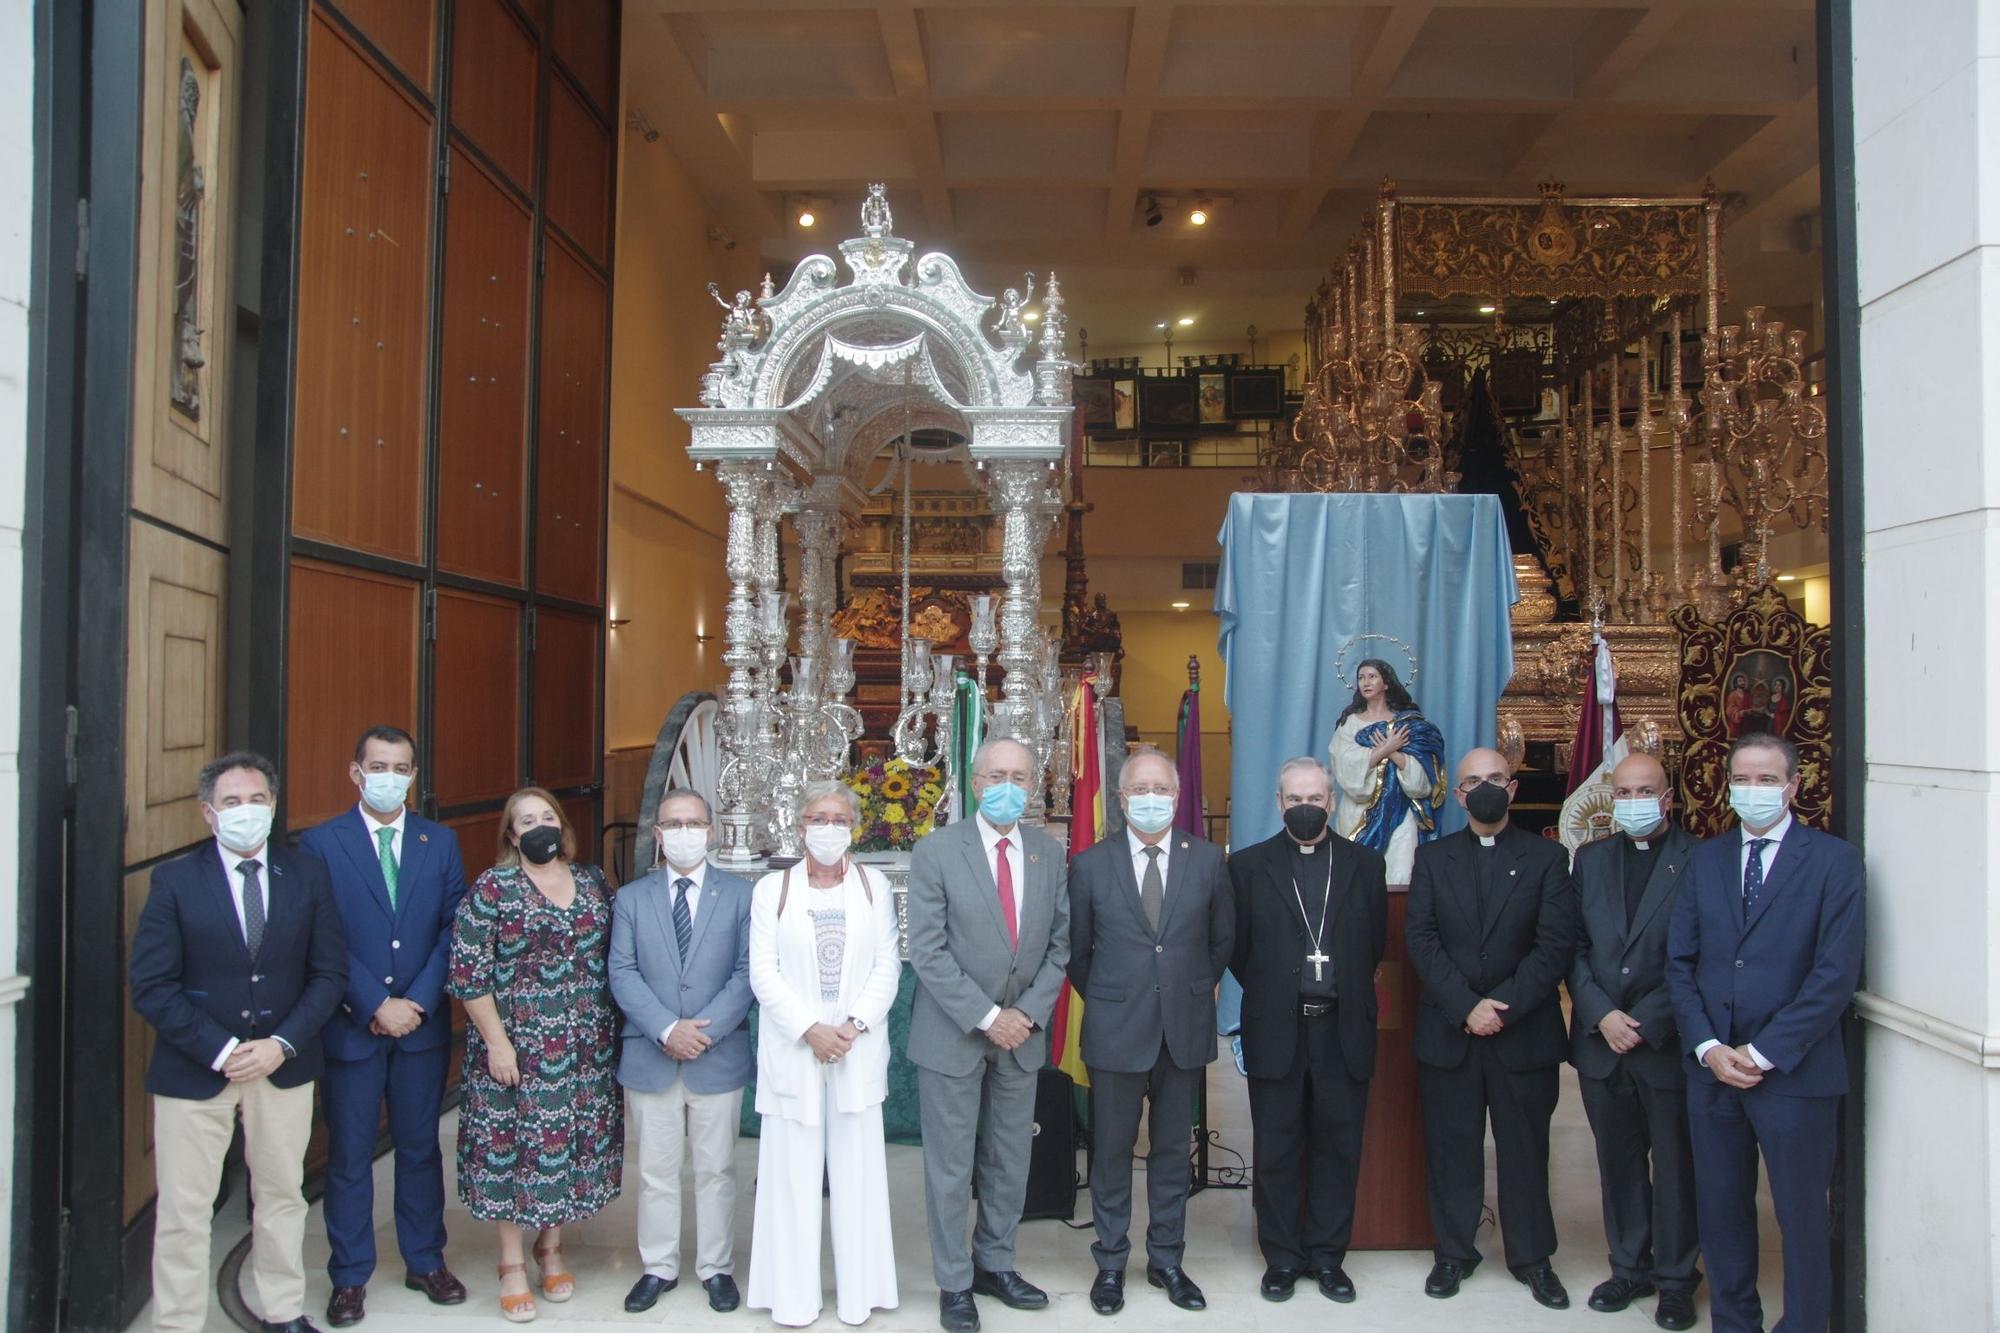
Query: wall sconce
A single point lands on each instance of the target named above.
(704, 638)
(617, 621)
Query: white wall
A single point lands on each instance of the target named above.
(17, 86)
(1927, 150)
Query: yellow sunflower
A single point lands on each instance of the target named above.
(930, 793)
(895, 786)
(893, 814)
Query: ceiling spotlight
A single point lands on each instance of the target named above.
(1487, 309)
(1161, 325)
(1153, 214)
(1180, 606)
(1031, 315)
(1186, 320)
(1788, 578)
(1420, 314)
(1198, 215)
(806, 218)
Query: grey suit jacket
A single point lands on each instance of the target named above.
(958, 946)
(1140, 988)
(653, 990)
(1620, 967)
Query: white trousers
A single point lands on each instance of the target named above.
(785, 1245)
(676, 1126)
(190, 1139)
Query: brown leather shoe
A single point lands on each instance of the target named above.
(347, 1305)
(440, 1288)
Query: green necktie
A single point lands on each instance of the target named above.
(387, 837)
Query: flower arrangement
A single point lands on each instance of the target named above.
(899, 802)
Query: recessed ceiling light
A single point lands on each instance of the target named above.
(1186, 320)
(1199, 216)
(806, 218)
(1180, 606)
(1161, 325)
(1031, 315)
(1788, 578)
(1487, 309)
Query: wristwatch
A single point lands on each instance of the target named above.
(859, 1026)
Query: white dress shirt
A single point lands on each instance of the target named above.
(694, 878)
(230, 860)
(989, 838)
(1139, 846)
(374, 827)
(1776, 834)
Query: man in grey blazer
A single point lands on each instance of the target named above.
(680, 972)
(1627, 1048)
(1151, 926)
(988, 937)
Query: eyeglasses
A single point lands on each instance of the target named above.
(1471, 785)
(828, 821)
(1150, 789)
(677, 825)
(1018, 777)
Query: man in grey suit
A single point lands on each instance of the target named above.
(988, 936)
(1151, 918)
(1627, 1048)
(680, 972)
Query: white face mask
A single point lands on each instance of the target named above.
(384, 792)
(827, 843)
(243, 828)
(684, 848)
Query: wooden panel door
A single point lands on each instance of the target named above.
(566, 704)
(353, 656)
(569, 514)
(579, 187)
(477, 707)
(493, 86)
(402, 30)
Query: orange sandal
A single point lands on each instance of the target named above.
(560, 1284)
(517, 1309)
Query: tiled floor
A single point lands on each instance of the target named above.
(1222, 1256)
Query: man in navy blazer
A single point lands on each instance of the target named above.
(236, 962)
(1762, 961)
(680, 972)
(397, 879)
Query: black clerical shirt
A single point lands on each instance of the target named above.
(1486, 861)
(1308, 866)
(1639, 862)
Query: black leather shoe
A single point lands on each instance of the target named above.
(958, 1312)
(1614, 1294)
(299, 1325)
(1676, 1310)
(647, 1290)
(1277, 1284)
(1335, 1285)
(438, 1286)
(1547, 1288)
(1010, 1289)
(1180, 1288)
(1443, 1282)
(347, 1305)
(722, 1294)
(1107, 1294)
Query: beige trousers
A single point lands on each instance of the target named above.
(675, 1126)
(190, 1139)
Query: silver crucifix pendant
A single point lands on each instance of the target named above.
(1316, 959)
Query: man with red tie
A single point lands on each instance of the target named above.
(988, 939)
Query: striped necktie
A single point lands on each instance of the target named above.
(683, 919)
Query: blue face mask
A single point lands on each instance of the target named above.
(1002, 803)
(1636, 815)
(1759, 807)
(1149, 811)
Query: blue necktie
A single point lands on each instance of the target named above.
(683, 919)
(1753, 874)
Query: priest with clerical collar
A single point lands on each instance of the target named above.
(1492, 929)
(1312, 914)
(1626, 1046)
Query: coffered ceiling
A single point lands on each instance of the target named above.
(1038, 137)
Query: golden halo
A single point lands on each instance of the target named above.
(1409, 657)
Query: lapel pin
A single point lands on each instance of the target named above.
(1184, 844)
(1034, 857)
(423, 837)
(1513, 872)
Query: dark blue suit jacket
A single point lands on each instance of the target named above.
(1780, 979)
(403, 953)
(195, 982)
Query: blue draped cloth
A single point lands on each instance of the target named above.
(1426, 746)
(1302, 575)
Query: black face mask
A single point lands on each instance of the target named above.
(1487, 803)
(1305, 822)
(540, 844)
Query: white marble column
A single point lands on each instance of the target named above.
(1927, 186)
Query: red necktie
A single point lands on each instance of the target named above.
(1003, 874)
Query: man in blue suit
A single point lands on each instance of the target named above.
(236, 962)
(680, 971)
(1762, 961)
(397, 880)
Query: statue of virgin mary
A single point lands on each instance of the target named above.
(1388, 763)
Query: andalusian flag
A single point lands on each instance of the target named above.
(968, 730)
(1086, 825)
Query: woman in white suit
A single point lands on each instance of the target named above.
(824, 968)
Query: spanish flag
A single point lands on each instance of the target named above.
(1086, 825)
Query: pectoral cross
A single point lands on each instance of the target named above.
(1316, 958)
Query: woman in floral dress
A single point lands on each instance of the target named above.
(541, 1131)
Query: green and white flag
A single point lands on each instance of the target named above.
(968, 729)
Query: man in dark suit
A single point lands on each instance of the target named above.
(237, 962)
(397, 879)
(1312, 919)
(988, 940)
(1627, 1051)
(1492, 929)
(1762, 962)
(680, 972)
(1150, 919)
